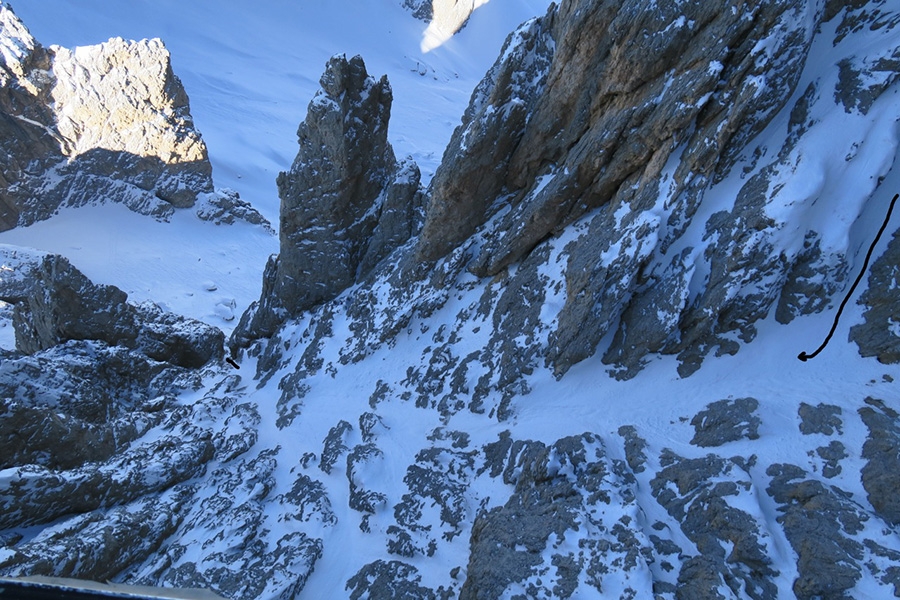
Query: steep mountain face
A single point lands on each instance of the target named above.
(640, 190)
(106, 123)
(625, 139)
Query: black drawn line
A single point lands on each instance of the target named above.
(803, 355)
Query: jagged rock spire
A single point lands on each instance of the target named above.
(345, 202)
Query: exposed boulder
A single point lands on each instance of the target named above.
(96, 124)
(346, 203)
(831, 456)
(62, 304)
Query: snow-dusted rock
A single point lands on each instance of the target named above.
(824, 419)
(879, 334)
(820, 523)
(477, 160)
(648, 202)
(123, 97)
(621, 155)
(346, 203)
(104, 123)
(62, 304)
(726, 421)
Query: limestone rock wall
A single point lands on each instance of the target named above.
(346, 202)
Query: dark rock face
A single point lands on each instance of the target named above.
(85, 457)
(66, 123)
(439, 477)
(702, 500)
(819, 522)
(879, 335)
(123, 498)
(824, 419)
(420, 9)
(594, 157)
(567, 520)
(593, 96)
(881, 475)
(477, 159)
(389, 579)
(62, 304)
(77, 414)
(346, 203)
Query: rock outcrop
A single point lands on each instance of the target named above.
(346, 202)
(105, 123)
(879, 334)
(55, 303)
(726, 421)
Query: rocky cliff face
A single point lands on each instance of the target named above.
(106, 123)
(626, 184)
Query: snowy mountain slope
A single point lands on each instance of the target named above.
(413, 437)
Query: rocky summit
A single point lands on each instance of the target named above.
(563, 368)
(346, 202)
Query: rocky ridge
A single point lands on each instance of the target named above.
(389, 410)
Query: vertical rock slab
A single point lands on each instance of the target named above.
(62, 304)
(881, 475)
